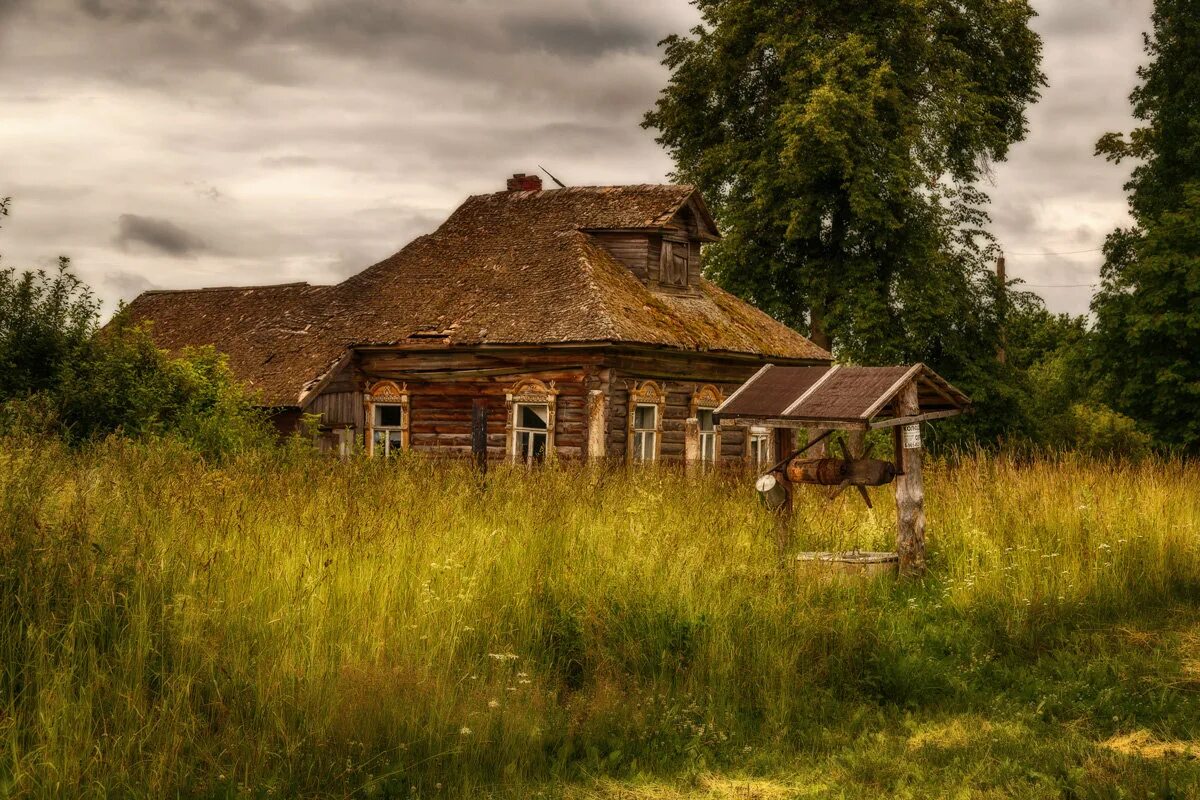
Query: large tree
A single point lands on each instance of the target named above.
(841, 144)
(1148, 308)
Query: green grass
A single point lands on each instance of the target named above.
(291, 626)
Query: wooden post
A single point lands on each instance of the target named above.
(479, 433)
(1002, 308)
(910, 491)
(821, 449)
(785, 445)
(597, 433)
(856, 442)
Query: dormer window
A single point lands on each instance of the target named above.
(675, 256)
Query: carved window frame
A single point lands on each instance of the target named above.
(392, 394)
(705, 398)
(646, 393)
(529, 391)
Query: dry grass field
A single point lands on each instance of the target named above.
(290, 626)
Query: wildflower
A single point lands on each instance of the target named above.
(493, 703)
(463, 731)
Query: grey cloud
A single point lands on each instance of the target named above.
(157, 234)
(575, 37)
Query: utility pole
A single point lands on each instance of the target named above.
(1001, 308)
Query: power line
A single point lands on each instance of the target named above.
(1059, 285)
(1066, 253)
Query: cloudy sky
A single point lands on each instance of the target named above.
(186, 143)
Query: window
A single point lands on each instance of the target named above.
(644, 424)
(531, 418)
(759, 443)
(674, 270)
(708, 435)
(388, 429)
(531, 428)
(703, 442)
(387, 418)
(645, 432)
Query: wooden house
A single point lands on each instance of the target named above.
(532, 324)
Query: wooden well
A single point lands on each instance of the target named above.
(853, 564)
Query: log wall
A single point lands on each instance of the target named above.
(442, 385)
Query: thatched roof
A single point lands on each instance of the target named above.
(506, 268)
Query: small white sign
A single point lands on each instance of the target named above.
(912, 436)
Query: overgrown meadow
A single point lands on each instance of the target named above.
(288, 625)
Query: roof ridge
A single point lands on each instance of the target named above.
(228, 288)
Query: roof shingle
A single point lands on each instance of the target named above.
(506, 268)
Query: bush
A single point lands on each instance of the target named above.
(123, 384)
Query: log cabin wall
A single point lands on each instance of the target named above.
(442, 385)
(680, 375)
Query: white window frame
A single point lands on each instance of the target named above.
(530, 392)
(384, 394)
(528, 456)
(708, 439)
(764, 437)
(389, 447)
(645, 440)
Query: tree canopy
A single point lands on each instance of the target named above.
(840, 144)
(1148, 308)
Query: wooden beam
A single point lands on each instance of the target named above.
(779, 422)
(930, 415)
(910, 495)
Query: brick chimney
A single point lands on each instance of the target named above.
(524, 183)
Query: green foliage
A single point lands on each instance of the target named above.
(294, 626)
(1148, 308)
(46, 320)
(1148, 323)
(123, 384)
(60, 376)
(840, 147)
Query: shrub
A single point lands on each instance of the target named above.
(124, 384)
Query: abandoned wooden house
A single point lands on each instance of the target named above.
(530, 325)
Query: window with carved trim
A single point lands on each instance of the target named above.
(645, 432)
(647, 400)
(708, 435)
(387, 418)
(704, 443)
(531, 421)
(388, 429)
(531, 429)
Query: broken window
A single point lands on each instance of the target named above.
(645, 432)
(388, 429)
(531, 427)
(708, 435)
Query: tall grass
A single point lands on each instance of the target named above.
(293, 625)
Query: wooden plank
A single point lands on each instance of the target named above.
(479, 424)
(927, 416)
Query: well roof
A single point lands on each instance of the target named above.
(505, 268)
(838, 394)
